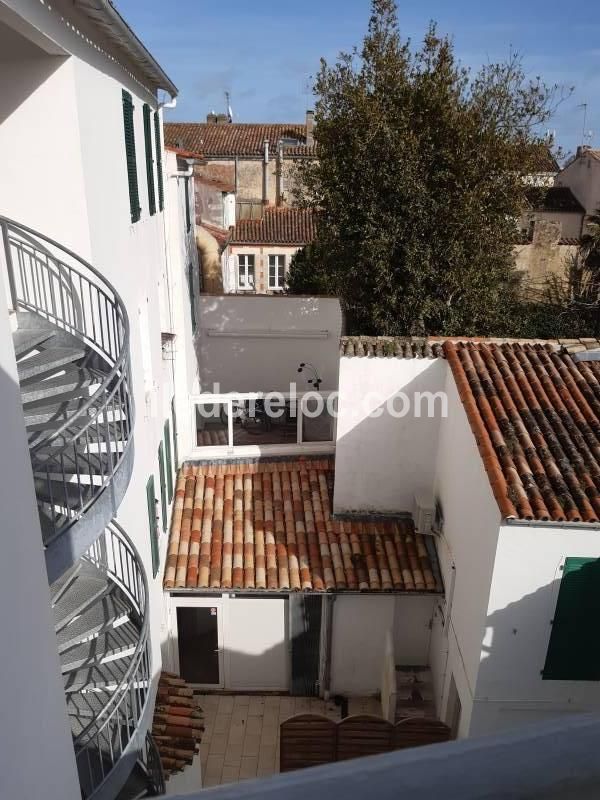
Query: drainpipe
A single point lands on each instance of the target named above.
(328, 619)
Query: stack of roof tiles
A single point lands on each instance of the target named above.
(535, 414)
(287, 225)
(178, 723)
(268, 525)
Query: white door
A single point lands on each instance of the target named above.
(256, 644)
(198, 640)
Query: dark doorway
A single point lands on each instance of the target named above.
(198, 635)
(305, 631)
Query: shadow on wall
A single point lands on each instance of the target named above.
(23, 69)
(267, 362)
(541, 660)
(383, 459)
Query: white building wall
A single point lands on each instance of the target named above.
(466, 554)
(582, 176)
(382, 461)
(268, 337)
(510, 689)
(36, 751)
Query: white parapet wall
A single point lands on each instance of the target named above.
(251, 343)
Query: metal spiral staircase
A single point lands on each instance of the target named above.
(71, 341)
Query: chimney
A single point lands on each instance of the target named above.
(582, 149)
(223, 119)
(212, 118)
(310, 124)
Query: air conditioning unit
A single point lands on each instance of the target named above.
(424, 512)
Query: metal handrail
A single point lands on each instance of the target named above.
(152, 761)
(111, 733)
(87, 448)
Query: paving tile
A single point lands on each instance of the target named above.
(217, 744)
(209, 701)
(226, 704)
(272, 701)
(254, 725)
(251, 745)
(236, 735)
(302, 705)
(269, 736)
(230, 774)
(233, 755)
(256, 706)
(241, 700)
(222, 723)
(271, 717)
(214, 766)
(211, 780)
(248, 767)
(287, 705)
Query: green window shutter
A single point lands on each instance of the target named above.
(163, 493)
(149, 160)
(174, 417)
(188, 220)
(574, 649)
(169, 459)
(158, 145)
(151, 499)
(128, 129)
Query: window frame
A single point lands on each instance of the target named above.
(245, 287)
(149, 160)
(135, 208)
(278, 285)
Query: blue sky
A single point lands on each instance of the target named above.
(265, 52)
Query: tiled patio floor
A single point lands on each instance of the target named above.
(241, 739)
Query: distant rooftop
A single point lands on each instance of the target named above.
(287, 225)
(238, 138)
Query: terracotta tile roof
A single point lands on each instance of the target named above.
(236, 138)
(268, 525)
(222, 235)
(594, 154)
(432, 346)
(178, 723)
(535, 414)
(289, 226)
(182, 153)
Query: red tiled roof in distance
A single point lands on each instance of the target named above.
(267, 525)
(288, 225)
(237, 138)
(535, 414)
(182, 153)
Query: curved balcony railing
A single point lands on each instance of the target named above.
(76, 460)
(116, 729)
(153, 764)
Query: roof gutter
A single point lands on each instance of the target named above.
(106, 17)
(551, 523)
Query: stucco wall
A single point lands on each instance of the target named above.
(471, 525)
(527, 573)
(246, 362)
(583, 178)
(382, 461)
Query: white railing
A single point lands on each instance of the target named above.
(265, 421)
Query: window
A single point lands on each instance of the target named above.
(574, 649)
(192, 295)
(276, 272)
(151, 499)
(169, 464)
(128, 129)
(246, 272)
(158, 145)
(149, 160)
(188, 221)
(163, 491)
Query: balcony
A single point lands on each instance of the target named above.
(100, 609)
(72, 347)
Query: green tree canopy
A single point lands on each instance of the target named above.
(418, 183)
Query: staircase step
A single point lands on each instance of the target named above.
(100, 617)
(110, 644)
(72, 384)
(60, 493)
(60, 586)
(138, 785)
(88, 586)
(26, 339)
(48, 526)
(52, 415)
(48, 361)
(99, 676)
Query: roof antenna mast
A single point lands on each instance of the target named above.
(229, 111)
